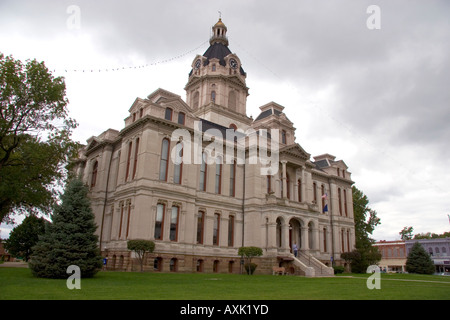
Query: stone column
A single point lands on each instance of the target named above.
(284, 182)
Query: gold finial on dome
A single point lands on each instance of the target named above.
(219, 32)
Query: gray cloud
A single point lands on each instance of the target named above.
(388, 110)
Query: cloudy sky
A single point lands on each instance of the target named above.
(370, 87)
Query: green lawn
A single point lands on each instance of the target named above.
(19, 283)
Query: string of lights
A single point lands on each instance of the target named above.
(122, 68)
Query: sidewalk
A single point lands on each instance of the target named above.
(9, 264)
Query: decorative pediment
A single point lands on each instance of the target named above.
(296, 151)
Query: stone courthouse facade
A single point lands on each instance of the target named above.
(199, 211)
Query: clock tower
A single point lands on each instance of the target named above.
(216, 89)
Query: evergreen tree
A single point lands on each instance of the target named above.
(419, 261)
(70, 239)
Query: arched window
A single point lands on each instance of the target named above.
(130, 146)
(213, 96)
(200, 226)
(163, 167)
(174, 224)
(159, 221)
(218, 183)
(178, 165)
(340, 201)
(168, 114)
(136, 151)
(94, 174)
(181, 118)
(283, 136)
(203, 171)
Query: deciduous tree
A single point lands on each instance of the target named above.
(35, 134)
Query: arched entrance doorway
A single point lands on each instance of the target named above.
(295, 233)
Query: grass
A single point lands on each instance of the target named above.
(20, 284)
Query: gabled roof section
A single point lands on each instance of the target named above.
(160, 95)
(295, 150)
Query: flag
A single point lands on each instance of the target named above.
(325, 209)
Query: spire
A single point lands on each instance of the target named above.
(219, 33)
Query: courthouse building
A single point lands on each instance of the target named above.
(199, 213)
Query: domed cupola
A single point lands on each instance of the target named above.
(219, 33)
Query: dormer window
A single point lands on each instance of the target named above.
(168, 114)
(181, 118)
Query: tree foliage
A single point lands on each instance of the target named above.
(141, 247)
(406, 233)
(23, 237)
(70, 239)
(419, 261)
(35, 134)
(249, 253)
(365, 254)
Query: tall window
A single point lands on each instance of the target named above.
(299, 190)
(168, 114)
(128, 219)
(200, 224)
(324, 239)
(203, 171)
(345, 203)
(288, 193)
(213, 96)
(181, 118)
(323, 198)
(233, 179)
(178, 166)
(163, 167)
(340, 201)
(136, 151)
(216, 229)
(130, 146)
(315, 192)
(159, 221)
(283, 136)
(174, 224)
(231, 231)
(94, 174)
(269, 183)
(121, 219)
(218, 187)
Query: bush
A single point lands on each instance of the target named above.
(338, 269)
(250, 268)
